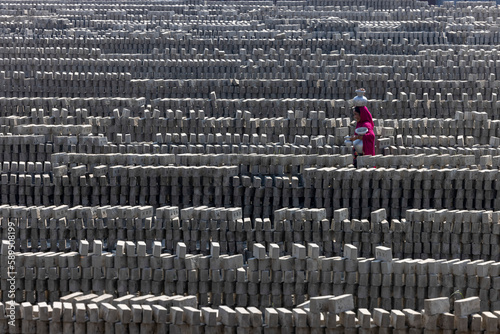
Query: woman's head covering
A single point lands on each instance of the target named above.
(366, 117)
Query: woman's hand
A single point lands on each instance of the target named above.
(354, 137)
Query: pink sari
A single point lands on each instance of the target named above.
(369, 138)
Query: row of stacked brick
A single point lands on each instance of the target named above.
(405, 106)
(334, 314)
(19, 58)
(70, 110)
(307, 86)
(422, 234)
(411, 150)
(334, 87)
(469, 131)
(252, 165)
(416, 151)
(254, 64)
(39, 142)
(295, 122)
(96, 72)
(262, 281)
(193, 127)
(24, 64)
(361, 189)
(38, 107)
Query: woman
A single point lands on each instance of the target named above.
(364, 119)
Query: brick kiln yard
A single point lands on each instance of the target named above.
(180, 167)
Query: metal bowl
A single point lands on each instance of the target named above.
(361, 130)
(358, 146)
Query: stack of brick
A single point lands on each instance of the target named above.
(330, 313)
(161, 172)
(422, 234)
(261, 281)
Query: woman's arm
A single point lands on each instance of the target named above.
(354, 137)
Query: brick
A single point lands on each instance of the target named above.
(467, 306)
(341, 303)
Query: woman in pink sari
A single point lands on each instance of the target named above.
(364, 119)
